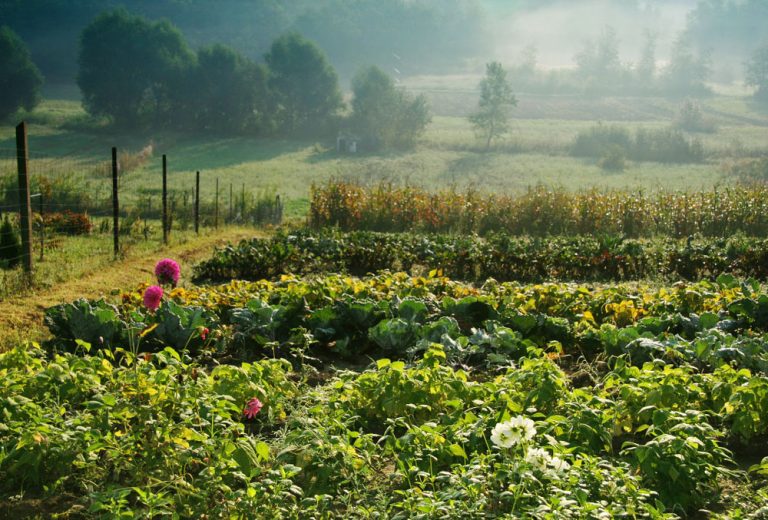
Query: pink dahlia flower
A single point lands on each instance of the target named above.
(252, 407)
(152, 296)
(167, 272)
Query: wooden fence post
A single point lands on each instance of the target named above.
(42, 228)
(165, 202)
(25, 205)
(115, 205)
(197, 203)
(216, 210)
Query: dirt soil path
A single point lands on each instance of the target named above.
(21, 317)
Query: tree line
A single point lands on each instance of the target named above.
(139, 73)
(428, 36)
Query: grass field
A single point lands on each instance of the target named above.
(535, 152)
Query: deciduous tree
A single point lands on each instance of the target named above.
(20, 80)
(496, 99)
(383, 115)
(131, 69)
(228, 92)
(304, 86)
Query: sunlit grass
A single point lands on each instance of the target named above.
(70, 257)
(84, 266)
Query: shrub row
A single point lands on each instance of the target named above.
(501, 257)
(662, 145)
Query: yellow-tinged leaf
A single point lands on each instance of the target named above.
(181, 442)
(191, 435)
(262, 450)
(457, 451)
(148, 330)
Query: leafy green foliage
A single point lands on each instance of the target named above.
(20, 80)
(663, 145)
(501, 257)
(629, 387)
(96, 323)
(10, 244)
(227, 93)
(384, 116)
(304, 86)
(101, 325)
(140, 87)
(496, 98)
(394, 396)
(72, 420)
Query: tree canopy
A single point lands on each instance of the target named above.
(304, 85)
(228, 92)
(20, 80)
(136, 85)
(496, 99)
(383, 115)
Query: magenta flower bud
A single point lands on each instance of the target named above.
(152, 296)
(167, 272)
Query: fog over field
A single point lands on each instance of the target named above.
(558, 29)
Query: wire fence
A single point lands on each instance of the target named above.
(72, 197)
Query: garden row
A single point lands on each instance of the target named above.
(499, 256)
(542, 211)
(333, 317)
(539, 401)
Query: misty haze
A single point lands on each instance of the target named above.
(384, 259)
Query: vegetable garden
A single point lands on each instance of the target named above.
(392, 395)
